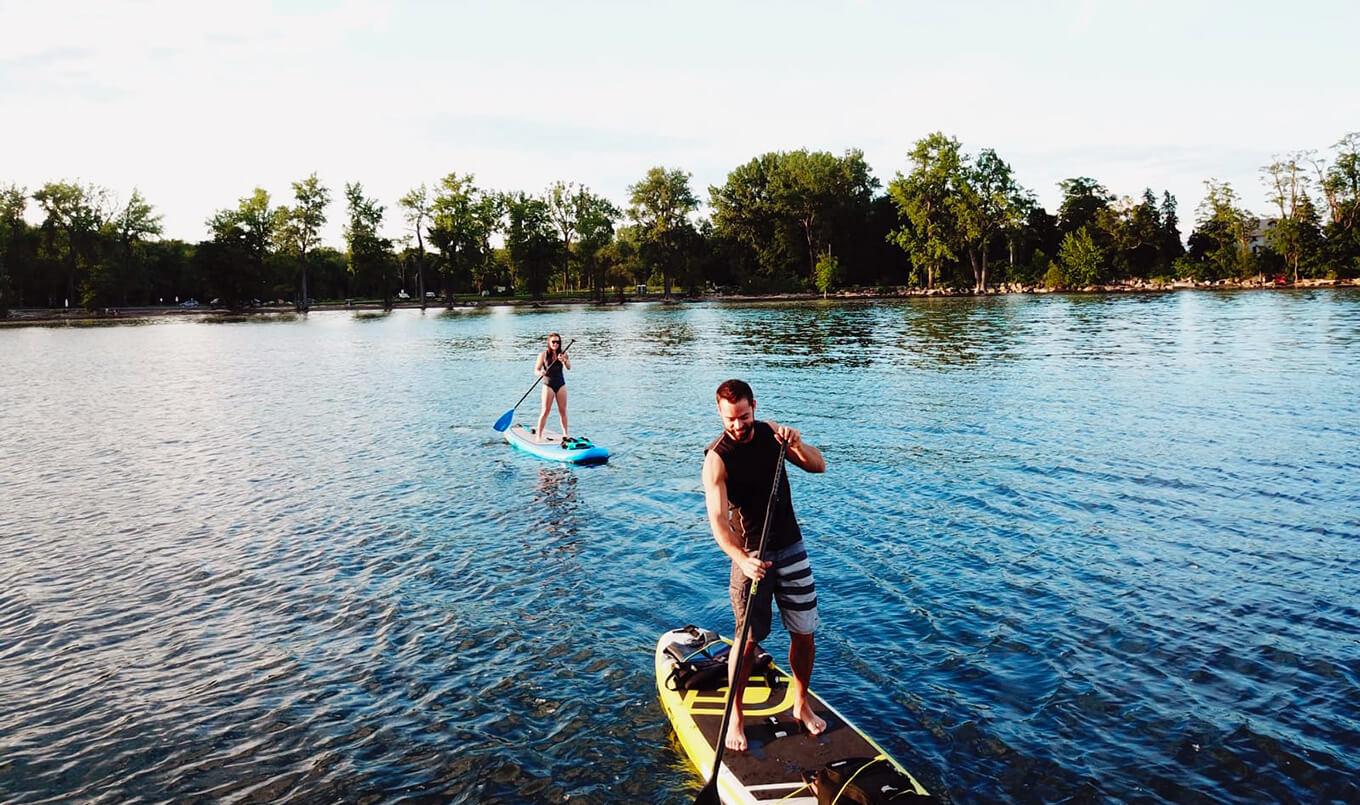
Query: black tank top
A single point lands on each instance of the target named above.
(750, 471)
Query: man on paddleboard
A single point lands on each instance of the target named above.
(739, 469)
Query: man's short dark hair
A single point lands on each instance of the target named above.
(735, 391)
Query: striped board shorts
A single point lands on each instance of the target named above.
(788, 581)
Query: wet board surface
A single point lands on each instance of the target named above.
(577, 451)
(772, 769)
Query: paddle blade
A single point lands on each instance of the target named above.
(504, 421)
(709, 794)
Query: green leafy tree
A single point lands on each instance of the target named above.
(1013, 229)
(1083, 199)
(745, 214)
(299, 228)
(224, 261)
(122, 271)
(1287, 187)
(1054, 277)
(828, 269)
(624, 262)
(596, 217)
(1131, 230)
(13, 229)
(464, 218)
(259, 225)
(370, 254)
(531, 240)
(1032, 272)
(1340, 183)
(927, 198)
(787, 207)
(172, 268)
(1223, 237)
(819, 191)
(1340, 186)
(1037, 239)
(331, 278)
(660, 206)
(564, 201)
(236, 257)
(986, 201)
(418, 212)
(616, 265)
(73, 214)
(1169, 246)
(1081, 259)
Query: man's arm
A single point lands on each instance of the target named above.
(802, 454)
(715, 498)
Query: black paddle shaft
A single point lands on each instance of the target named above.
(709, 794)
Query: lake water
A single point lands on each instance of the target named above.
(1076, 549)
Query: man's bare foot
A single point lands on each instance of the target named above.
(736, 733)
(813, 723)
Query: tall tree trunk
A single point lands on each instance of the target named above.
(420, 267)
(811, 249)
(303, 302)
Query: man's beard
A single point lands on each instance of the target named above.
(745, 434)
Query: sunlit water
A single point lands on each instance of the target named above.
(1068, 548)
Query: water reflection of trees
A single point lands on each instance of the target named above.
(459, 348)
(667, 338)
(464, 312)
(840, 335)
(810, 334)
(956, 331)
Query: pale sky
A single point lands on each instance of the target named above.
(198, 103)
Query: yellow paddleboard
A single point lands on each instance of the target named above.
(782, 757)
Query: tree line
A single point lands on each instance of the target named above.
(784, 221)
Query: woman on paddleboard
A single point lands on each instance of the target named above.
(550, 366)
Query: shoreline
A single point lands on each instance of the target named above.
(44, 316)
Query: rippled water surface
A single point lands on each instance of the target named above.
(1068, 549)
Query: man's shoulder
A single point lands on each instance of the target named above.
(719, 445)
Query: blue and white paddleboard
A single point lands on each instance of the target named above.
(576, 450)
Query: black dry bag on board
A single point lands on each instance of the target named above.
(700, 662)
